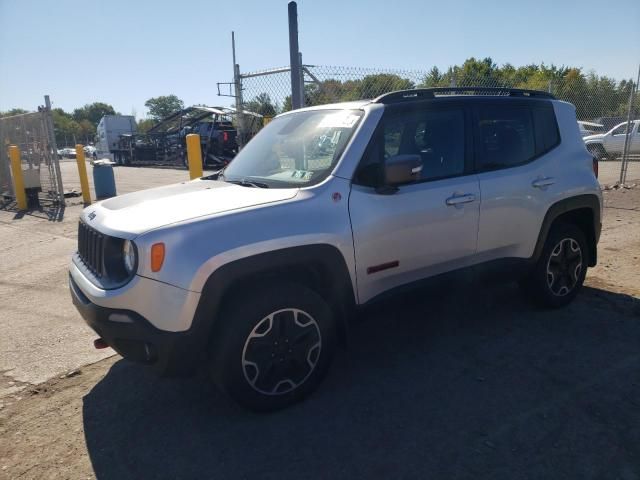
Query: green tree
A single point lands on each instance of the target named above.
(373, 86)
(475, 72)
(145, 124)
(93, 112)
(87, 131)
(12, 112)
(263, 105)
(435, 78)
(163, 106)
(67, 130)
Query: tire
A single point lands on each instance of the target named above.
(275, 346)
(560, 271)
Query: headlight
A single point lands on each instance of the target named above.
(129, 256)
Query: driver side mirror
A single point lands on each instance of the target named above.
(402, 169)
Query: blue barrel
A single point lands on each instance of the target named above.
(104, 182)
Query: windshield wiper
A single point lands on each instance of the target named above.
(217, 175)
(248, 183)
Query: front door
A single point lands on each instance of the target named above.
(423, 228)
(615, 142)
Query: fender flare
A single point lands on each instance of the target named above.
(337, 287)
(590, 201)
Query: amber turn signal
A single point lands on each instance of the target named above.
(157, 256)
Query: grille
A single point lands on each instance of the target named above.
(91, 248)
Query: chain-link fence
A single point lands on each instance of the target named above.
(601, 102)
(32, 133)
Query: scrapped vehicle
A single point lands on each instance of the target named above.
(608, 146)
(254, 272)
(219, 139)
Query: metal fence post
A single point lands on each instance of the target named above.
(302, 102)
(237, 84)
(294, 57)
(625, 152)
(82, 172)
(18, 181)
(237, 81)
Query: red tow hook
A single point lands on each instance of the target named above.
(99, 344)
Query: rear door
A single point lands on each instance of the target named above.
(514, 142)
(426, 227)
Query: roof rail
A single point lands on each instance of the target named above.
(422, 93)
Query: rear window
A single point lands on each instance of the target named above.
(512, 135)
(547, 135)
(506, 136)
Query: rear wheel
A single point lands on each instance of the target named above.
(560, 271)
(275, 346)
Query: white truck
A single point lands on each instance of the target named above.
(611, 144)
(109, 130)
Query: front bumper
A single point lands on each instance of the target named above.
(135, 338)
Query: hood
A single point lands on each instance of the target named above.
(135, 213)
(598, 136)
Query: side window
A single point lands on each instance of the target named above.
(546, 128)
(437, 135)
(506, 137)
(622, 129)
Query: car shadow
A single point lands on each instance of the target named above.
(463, 383)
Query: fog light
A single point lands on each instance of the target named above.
(120, 318)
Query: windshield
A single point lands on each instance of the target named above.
(295, 150)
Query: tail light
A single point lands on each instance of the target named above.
(595, 166)
(225, 136)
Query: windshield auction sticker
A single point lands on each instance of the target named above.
(339, 120)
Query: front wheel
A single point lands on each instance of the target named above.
(561, 269)
(275, 346)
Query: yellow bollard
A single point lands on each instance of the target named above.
(82, 171)
(18, 181)
(194, 155)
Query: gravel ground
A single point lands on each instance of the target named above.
(430, 387)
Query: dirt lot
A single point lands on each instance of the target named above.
(430, 387)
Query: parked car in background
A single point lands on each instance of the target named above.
(611, 144)
(67, 152)
(89, 150)
(590, 128)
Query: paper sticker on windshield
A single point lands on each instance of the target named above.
(339, 120)
(302, 174)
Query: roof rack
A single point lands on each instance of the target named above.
(423, 93)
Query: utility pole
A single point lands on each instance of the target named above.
(294, 57)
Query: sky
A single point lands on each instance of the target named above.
(123, 52)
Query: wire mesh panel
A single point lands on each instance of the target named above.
(30, 132)
(601, 102)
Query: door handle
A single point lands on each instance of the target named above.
(543, 182)
(460, 199)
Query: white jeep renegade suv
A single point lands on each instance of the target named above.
(254, 270)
